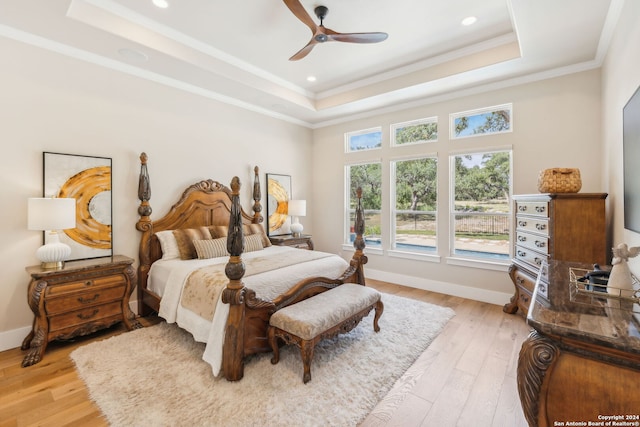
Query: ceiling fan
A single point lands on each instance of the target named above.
(323, 34)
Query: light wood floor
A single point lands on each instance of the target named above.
(467, 376)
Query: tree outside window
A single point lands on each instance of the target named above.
(481, 209)
(414, 213)
(368, 176)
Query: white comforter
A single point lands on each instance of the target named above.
(167, 279)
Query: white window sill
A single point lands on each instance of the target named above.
(367, 250)
(418, 256)
(484, 264)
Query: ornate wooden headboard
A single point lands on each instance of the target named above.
(204, 203)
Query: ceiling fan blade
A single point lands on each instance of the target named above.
(304, 51)
(300, 12)
(357, 37)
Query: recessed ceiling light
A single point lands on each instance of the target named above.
(161, 3)
(311, 78)
(469, 20)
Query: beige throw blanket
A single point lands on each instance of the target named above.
(203, 286)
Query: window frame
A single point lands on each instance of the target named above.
(480, 112)
(393, 128)
(349, 135)
(466, 259)
(394, 250)
(348, 211)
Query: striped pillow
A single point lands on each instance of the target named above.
(211, 248)
(253, 242)
(250, 229)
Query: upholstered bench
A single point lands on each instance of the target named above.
(324, 315)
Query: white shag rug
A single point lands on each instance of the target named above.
(155, 376)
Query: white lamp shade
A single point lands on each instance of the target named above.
(297, 207)
(48, 213)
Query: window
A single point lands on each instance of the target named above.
(484, 121)
(369, 177)
(367, 139)
(481, 212)
(415, 132)
(414, 210)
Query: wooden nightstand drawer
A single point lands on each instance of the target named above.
(80, 300)
(85, 283)
(79, 317)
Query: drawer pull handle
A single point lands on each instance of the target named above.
(540, 244)
(541, 226)
(82, 300)
(522, 223)
(88, 316)
(522, 254)
(88, 283)
(522, 239)
(522, 208)
(524, 298)
(520, 280)
(540, 209)
(538, 261)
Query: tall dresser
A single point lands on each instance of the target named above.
(554, 226)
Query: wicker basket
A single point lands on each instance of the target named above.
(559, 180)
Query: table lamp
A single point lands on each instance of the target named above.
(297, 208)
(51, 214)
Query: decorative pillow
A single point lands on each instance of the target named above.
(211, 248)
(253, 242)
(185, 238)
(218, 231)
(168, 244)
(250, 229)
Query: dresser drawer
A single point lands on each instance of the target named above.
(87, 315)
(540, 208)
(531, 257)
(538, 225)
(77, 301)
(83, 284)
(524, 281)
(533, 241)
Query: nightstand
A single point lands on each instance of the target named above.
(302, 242)
(79, 299)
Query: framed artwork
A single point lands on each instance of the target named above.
(88, 180)
(278, 196)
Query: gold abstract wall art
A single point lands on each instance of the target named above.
(278, 196)
(88, 180)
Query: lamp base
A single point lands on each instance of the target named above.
(54, 265)
(296, 229)
(53, 254)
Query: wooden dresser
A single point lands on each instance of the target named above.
(79, 299)
(554, 226)
(581, 364)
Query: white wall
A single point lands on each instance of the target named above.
(556, 123)
(620, 79)
(59, 104)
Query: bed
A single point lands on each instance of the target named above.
(208, 266)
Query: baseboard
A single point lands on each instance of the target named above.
(484, 295)
(13, 338)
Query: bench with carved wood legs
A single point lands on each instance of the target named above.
(324, 315)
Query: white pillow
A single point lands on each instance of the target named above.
(169, 244)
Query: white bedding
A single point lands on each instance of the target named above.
(167, 278)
